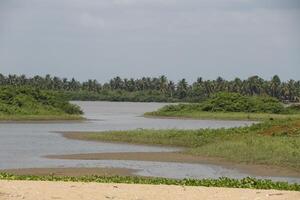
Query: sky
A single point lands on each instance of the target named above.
(101, 39)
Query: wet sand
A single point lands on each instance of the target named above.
(16, 190)
(259, 170)
(73, 172)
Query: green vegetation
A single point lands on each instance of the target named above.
(119, 95)
(159, 88)
(270, 143)
(248, 182)
(231, 106)
(234, 102)
(25, 103)
(221, 115)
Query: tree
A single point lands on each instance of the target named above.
(182, 88)
(275, 86)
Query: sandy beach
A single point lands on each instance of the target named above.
(42, 190)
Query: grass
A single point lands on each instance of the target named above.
(220, 115)
(274, 143)
(248, 182)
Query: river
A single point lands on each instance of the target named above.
(24, 145)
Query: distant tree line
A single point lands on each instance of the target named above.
(161, 86)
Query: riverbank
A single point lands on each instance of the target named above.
(231, 106)
(274, 143)
(71, 172)
(16, 190)
(219, 115)
(257, 170)
(37, 118)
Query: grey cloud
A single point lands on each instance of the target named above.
(103, 38)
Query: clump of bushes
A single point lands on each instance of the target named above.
(30, 101)
(234, 102)
(119, 95)
(294, 108)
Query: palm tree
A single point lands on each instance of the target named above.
(275, 86)
(182, 87)
(163, 84)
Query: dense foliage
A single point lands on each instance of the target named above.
(119, 95)
(159, 89)
(234, 102)
(29, 101)
(247, 182)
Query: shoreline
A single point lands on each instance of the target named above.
(180, 157)
(41, 119)
(226, 116)
(176, 156)
(71, 171)
(199, 118)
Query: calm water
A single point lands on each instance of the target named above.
(23, 145)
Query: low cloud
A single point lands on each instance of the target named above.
(105, 38)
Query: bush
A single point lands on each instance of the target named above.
(29, 101)
(234, 102)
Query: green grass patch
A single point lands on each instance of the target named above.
(195, 114)
(268, 143)
(247, 182)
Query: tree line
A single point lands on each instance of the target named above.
(179, 91)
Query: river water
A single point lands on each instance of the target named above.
(24, 145)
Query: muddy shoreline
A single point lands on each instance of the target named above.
(179, 157)
(258, 170)
(72, 172)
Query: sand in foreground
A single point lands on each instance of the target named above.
(15, 190)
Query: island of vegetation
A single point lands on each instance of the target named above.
(26, 103)
(231, 106)
(270, 144)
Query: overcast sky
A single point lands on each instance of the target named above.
(132, 38)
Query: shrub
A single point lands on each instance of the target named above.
(234, 102)
(30, 101)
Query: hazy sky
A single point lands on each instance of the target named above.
(132, 38)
